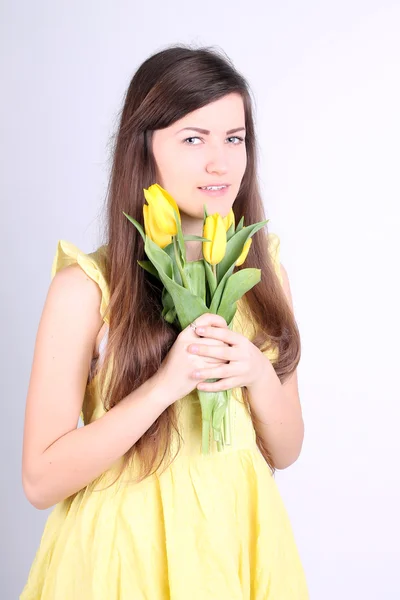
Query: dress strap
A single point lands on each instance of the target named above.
(94, 265)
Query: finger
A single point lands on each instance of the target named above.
(223, 352)
(215, 361)
(208, 319)
(217, 372)
(217, 333)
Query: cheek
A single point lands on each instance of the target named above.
(170, 173)
(178, 179)
(241, 163)
(181, 166)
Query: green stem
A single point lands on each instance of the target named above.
(178, 262)
(207, 404)
(214, 269)
(205, 437)
(221, 442)
(227, 422)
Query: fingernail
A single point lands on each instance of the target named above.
(193, 349)
(200, 329)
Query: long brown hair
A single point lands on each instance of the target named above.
(166, 87)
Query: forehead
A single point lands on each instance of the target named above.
(220, 115)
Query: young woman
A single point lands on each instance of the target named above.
(140, 513)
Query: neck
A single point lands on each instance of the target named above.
(192, 226)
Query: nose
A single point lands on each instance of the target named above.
(217, 161)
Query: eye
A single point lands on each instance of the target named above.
(239, 139)
(236, 137)
(191, 138)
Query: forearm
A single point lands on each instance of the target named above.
(83, 454)
(279, 420)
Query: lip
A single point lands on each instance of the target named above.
(214, 185)
(216, 193)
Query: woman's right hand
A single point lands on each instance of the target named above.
(176, 371)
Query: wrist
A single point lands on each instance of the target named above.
(261, 373)
(159, 391)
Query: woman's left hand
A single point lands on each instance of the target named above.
(244, 361)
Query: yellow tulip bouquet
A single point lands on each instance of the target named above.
(191, 289)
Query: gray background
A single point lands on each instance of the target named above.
(326, 80)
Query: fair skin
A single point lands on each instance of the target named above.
(276, 406)
(60, 459)
(215, 158)
(188, 159)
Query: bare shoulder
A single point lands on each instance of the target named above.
(75, 276)
(75, 298)
(63, 350)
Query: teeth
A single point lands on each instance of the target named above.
(214, 187)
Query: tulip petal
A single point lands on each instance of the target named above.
(208, 232)
(157, 235)
(244, 253)
(170, 200)
(219, 244)
(163, 208)
(229, 220)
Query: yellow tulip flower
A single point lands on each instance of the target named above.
(152, 230)
(229, 220)
(162, 205)
(244, 254)
(214, 230)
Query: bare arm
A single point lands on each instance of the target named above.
(279, 415)
(59, 459)
(278, 409)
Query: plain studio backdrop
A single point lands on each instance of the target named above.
(326, 79)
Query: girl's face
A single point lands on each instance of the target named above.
(188, 159)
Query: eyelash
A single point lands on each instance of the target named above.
(196, 137)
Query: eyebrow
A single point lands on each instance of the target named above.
(206, 132)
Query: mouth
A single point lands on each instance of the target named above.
(217, 190)
(214, 187)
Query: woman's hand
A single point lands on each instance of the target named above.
(245, 361)
(176, 371)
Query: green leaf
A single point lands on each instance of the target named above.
(234, 247)
(195, 238)
(219, 291)
(230, 232)
(188, 306)
(197, 277)
(170, 250)
(240, 225)
(147, 265)
(166, 298)
(237, 285)
(205, 212)
(160, 259)
(212, 282)
(169, 315)
(137, 225)
(169, 312)
(180, 240)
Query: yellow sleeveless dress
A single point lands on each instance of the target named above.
(208, 528)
